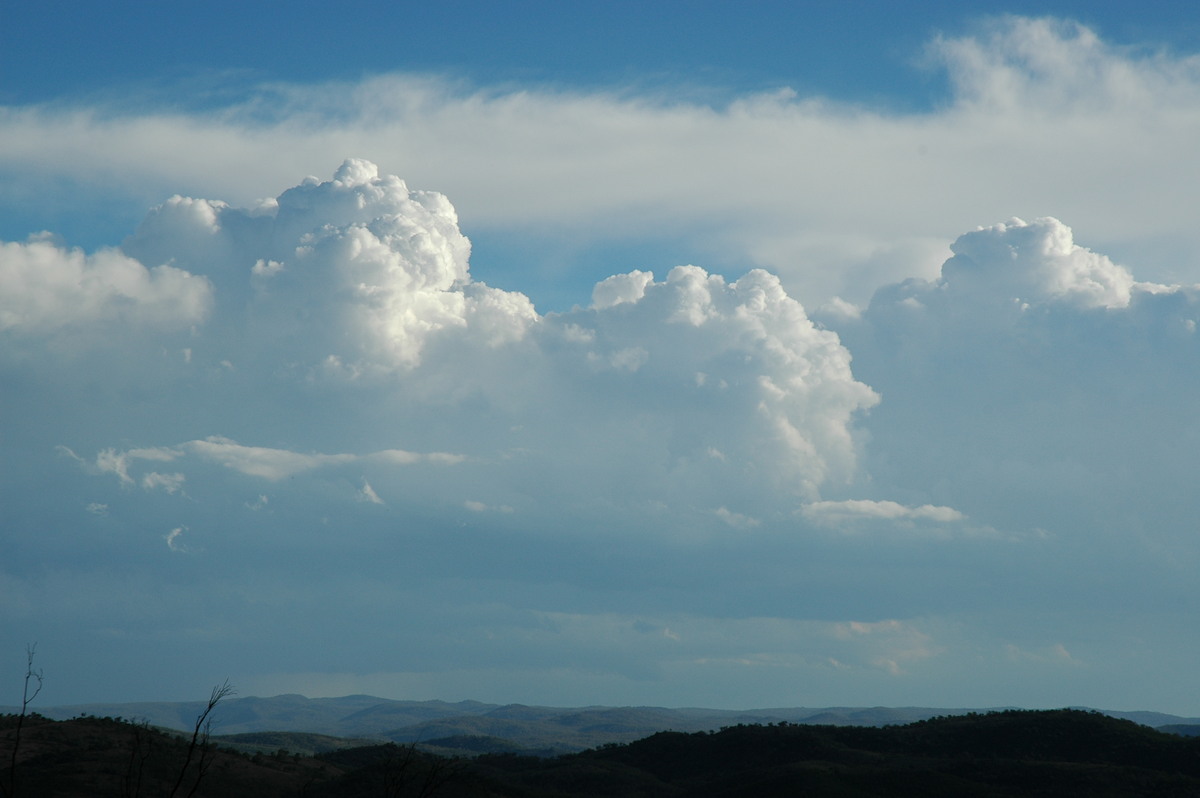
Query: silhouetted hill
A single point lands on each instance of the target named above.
(1042, 753)
(291, 742)
(1182, 729)
(474, 745)
(347, 716)
(106, 757)
(1062, 752)
(514, 726)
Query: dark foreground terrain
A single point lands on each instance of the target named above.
(1059, 752)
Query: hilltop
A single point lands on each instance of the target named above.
(473, 727)
(1015, 752)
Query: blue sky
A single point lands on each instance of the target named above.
(845, 49)
(691, 354)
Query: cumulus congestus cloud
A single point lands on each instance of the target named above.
(1035, 382)
(356, 272)
(345, 323)
(342, 400)
(882, 443)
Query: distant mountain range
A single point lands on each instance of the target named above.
(472, 727)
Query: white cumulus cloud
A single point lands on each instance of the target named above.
(694, 390)
(1033, 375)
(45, 288)
(356, 271)
(1041, 262)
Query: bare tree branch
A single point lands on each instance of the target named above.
(27, 697)
(200, 735)
(141, 746)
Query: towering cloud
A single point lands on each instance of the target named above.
(329, 396)
(741, 386)
(1035, 382)
(244, 425)
(345, 324)
(356, 271)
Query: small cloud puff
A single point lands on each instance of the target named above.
(174, 542)
(736, 520)
(169, 483)
(621, 288)
(111, 461)
(833, 511)
(368, 494)
(856, 515)
(480, 507)
(1056, 654)
(1004, 272)
(1032, 262)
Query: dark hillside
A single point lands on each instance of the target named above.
(1011, 753)
(1182, 729)
(107, 757)
(1046, 753)
(289, 742)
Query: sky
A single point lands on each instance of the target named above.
(678, 354)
